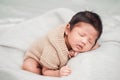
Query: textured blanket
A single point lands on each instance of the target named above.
(100, 64)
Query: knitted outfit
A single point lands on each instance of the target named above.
(50, 51)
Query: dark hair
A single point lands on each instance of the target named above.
(87, 17)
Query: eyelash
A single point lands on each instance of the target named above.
(90, 42)
(82, 35)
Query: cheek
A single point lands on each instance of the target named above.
(72, 39)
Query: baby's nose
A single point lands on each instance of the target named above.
(85, 40)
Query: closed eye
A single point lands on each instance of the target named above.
(91, 41)
(82, 35)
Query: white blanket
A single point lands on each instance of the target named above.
(100, 64)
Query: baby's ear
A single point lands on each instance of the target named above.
(96, 46)
(67, 30)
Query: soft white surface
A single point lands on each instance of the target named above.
(25, 32)
(100, 64)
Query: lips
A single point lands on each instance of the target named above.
(79, 47)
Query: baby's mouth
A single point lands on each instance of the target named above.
(79, 47)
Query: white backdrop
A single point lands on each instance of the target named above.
(14, 11)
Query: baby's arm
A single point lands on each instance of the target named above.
(64, 71)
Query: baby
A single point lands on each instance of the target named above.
(49, 55)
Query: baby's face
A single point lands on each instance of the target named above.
(82, 37)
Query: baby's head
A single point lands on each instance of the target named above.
(83, 31)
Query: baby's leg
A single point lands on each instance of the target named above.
(32, 66)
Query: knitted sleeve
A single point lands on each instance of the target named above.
(49, 57)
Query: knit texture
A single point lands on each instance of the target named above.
(51, 51)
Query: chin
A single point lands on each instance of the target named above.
(81, 51)
(76, 50)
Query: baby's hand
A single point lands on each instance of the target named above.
(65, 71)
(72, 53)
